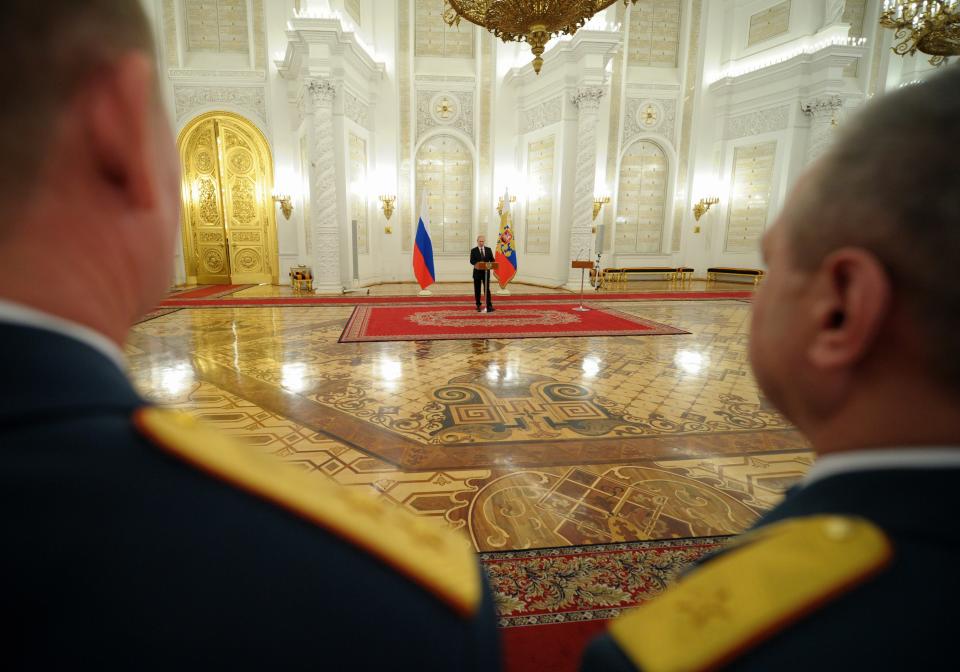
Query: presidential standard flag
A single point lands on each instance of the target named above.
(423, 249)
(506, 255)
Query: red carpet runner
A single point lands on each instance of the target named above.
(450, 321)
(553, 601)
(190, 300)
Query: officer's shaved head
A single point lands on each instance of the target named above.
(49, 48)
(890, 185)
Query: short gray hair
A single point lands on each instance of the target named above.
(891, 185)
(49, 48)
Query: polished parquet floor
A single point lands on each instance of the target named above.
(522, 443)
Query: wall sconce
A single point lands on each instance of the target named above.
(700, 207)
(598, 203)
(386, 204)
(513, 199)
(286, 204)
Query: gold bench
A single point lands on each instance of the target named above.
(754, 273)
(619, 275)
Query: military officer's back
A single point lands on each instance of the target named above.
(854, 339)
(134, 539)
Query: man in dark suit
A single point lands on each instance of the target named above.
(132, 538)
(481, 278)
(854, 339)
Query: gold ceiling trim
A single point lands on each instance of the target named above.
(530, 21)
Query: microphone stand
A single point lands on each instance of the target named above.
(580, 308)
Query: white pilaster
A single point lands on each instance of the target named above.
(324, 232)
(587, 102)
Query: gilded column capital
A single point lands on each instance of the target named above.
(323, 91)
(587, 98)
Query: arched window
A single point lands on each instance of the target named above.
(445, 173)
(641, 199)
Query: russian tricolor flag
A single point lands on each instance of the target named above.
(423, 249)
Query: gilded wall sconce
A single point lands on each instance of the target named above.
(286, 204)
(700, 207)
(386, 204)
(598, 203)
(513, 199)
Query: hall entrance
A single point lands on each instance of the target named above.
(229, 228)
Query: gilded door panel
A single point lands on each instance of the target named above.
(247, 204)
(203, 210)
(229, 232)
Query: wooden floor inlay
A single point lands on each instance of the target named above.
(583, 440)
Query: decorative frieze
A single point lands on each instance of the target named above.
(218, 75)
(189, 100)
(755, 123)
(539, 116)
(356, 110)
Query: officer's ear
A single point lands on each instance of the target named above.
(117, 106)
(851, 300)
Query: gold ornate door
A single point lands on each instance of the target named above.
(229, 229)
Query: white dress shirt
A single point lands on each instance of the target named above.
(932, 457)
(16, 313)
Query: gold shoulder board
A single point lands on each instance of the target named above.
(773, 577)
(439, 560)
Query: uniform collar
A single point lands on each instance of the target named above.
(927, 457)
(19, 314)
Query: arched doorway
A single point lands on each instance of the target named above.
(229, 228)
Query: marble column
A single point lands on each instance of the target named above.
(823, 111)
(323, 230)
(587, 101)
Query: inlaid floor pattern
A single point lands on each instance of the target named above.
(522, 443)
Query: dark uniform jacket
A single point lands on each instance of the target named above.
(120, 555)
(902, 618)
(477, 255)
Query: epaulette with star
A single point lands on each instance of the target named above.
(770, 578)
(440, 561)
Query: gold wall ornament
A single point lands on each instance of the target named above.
(701, 206)
(598, 203)
(530, 21)
(386, 204)
(931, 26)
(513, 199)
(286, 204)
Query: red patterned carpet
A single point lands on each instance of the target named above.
(451, 321)
(190, 299)
(551, 602)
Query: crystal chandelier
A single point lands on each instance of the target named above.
(930, 26)
(530, 21)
